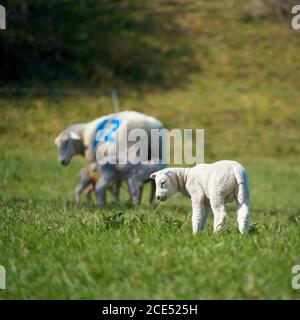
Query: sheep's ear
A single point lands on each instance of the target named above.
(56, 141)
(153, 175)
(74, 135)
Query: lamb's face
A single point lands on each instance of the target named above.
(66, 146)
(165, 186)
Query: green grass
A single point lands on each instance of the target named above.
(53, 249)
(245, 96)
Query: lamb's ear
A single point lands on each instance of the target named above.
(74, 135)
(153, 175)
(170, 173)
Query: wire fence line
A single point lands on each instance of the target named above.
(50, 91)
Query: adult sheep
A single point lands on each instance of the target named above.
(85, 138)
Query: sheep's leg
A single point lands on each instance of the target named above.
(84, 183)
(243, 217)
(199, 215)
(220, 216)
(152, 191)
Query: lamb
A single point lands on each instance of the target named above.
(135, 174)
(140, 175)
(89, 176)
(208, 185)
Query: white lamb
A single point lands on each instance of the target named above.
(208, 185)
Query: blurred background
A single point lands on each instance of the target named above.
(219, 64)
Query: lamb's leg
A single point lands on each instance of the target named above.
(220, 216)
(243, 217)
(199, 214)
(88, 191)
(152, 191)
(100, 189)
(140, 193)
(243, 207)
(116, 191)
(129, 191)
(84, 183)
(135, 189)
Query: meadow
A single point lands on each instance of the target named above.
(246, 97)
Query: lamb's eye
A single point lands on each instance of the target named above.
(162, 185)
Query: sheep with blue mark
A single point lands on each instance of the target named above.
(85, 138)
(109, 131)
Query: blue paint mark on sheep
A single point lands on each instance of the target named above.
(105, 133)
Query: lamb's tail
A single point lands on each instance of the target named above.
(243, 194)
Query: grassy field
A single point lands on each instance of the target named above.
(246, 97)
(53, 249)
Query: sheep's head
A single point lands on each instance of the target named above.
(166, 183)
(67, 145)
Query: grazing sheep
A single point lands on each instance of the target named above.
(84, 139)
(208, 185)
(135, 174)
